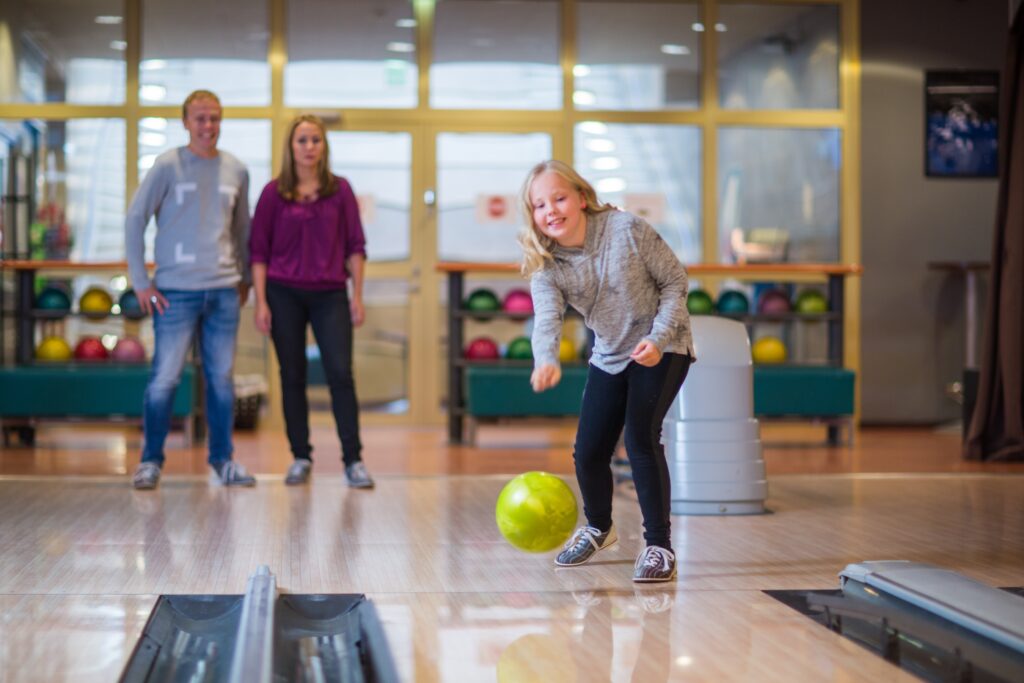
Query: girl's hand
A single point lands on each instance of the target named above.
(545, 377)
(262, 317)
(646, 354)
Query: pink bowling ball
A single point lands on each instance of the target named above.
(518, 302)
(129, 350)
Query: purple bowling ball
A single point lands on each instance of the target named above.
(774, 302)
(129, 350)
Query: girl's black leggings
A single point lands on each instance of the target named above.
(638, 399)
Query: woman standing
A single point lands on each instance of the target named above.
(306, 242)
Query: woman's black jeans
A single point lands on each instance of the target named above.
(291, 310)
(638, 399)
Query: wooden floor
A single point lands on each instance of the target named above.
(83, 556)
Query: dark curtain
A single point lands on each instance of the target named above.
(997, 425)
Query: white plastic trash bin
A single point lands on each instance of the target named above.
(712, 440)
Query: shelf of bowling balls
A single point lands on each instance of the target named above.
(777, 317)
(43, 314)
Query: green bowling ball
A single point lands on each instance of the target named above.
(536, 512)
(699, 302)
(811, 302)
(519, 348)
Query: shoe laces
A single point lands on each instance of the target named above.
(654, 557)
(583, 536)
(232, 470)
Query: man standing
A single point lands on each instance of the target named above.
(199, 195)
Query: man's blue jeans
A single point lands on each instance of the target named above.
(214, 313)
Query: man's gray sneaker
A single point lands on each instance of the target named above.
(147, 476)
(232, 473)
(654, 564)
(298, 473)
(584, 543)
(357, 476)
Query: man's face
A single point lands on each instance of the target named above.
(203, 125)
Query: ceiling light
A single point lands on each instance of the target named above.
(118, 45)
(108, 20)
(581, 70)
(697, 26)
(151, 139)
(593, 127)
(671, 49)
(153, 64)
(600, 145)
(399, 46)
(606, 163)
(153, 93)
(584, 98)
(153, 123)
(721, 28)
(405, 23)
(610, 185)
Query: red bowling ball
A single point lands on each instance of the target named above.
(90, 349)
(482, 348)
(519, 303)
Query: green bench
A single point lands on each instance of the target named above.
(819, 393)
(91, 392)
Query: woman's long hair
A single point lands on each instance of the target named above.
(288, 180)
(536, 245)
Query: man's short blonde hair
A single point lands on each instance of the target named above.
(197, 95)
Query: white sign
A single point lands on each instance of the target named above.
(495, 208)
(651, 206)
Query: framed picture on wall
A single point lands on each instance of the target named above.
(961, 124)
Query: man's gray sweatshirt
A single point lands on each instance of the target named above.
(625, 281)
(202, 217)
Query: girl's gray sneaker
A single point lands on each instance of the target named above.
(654, 564)
(584, 543)
(298, 473)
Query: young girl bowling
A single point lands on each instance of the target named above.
(614, 269)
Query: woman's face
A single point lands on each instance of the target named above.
(558, 209)
(307, 145)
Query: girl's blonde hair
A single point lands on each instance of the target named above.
(287, 180)
(536, 245)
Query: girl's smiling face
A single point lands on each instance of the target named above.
(558, 209)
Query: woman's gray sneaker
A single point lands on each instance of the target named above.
(298, 473)
(584, 543)
(357, 476)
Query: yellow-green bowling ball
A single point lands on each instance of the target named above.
(536, 512)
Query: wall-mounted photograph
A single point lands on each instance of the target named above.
(961, 127)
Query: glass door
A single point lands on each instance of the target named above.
(380, 167)
(478, 175)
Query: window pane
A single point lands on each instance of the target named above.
(360, 53)
(247, 139)
(74, 202)
(650, 170)
(478, 180)
(768, 215)
(637, 55)
(378, 165)
(496, 55)
(219, 46)
(58, 51)
(778, 56)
